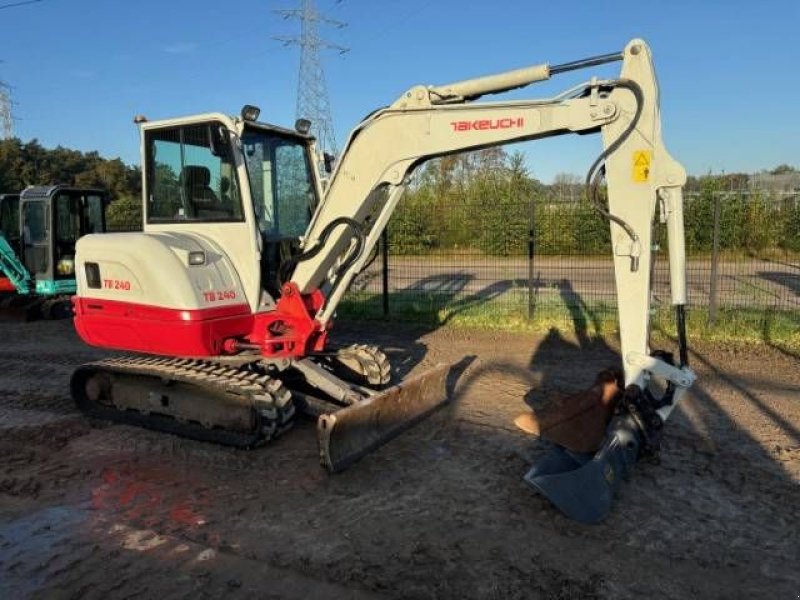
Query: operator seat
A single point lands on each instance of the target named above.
(202, 198)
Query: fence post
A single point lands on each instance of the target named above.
(712, 292)
(385, 270)
(531, 252)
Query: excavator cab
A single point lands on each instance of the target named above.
(249, 186)
(52, 219)
(41, 227)
(197, 172)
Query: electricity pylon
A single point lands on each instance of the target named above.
(312, 90)
(6, 121)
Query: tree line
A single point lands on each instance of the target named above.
(486, 202)
(29, 163)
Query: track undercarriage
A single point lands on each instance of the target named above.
(247, 401)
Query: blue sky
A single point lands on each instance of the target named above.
(81, 69)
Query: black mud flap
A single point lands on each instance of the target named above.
(582, 485)
(347, 435)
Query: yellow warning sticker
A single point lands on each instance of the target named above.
(641, 165)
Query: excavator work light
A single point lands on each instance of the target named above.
(197, 258)
(302, 125)
(250, 112)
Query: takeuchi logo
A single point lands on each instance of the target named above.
(481, 124)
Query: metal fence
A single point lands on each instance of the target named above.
(550, 257)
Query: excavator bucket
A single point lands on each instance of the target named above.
(348, 434)
(581, 485)
(579, 478)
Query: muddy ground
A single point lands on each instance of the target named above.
(99, 511)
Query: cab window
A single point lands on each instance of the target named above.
(191, 175)
(281, 182)
(93, 214)
(9, 217)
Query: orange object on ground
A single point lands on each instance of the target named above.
(578, 421)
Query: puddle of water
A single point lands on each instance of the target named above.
(35, 545)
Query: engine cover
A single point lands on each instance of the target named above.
(164, 293)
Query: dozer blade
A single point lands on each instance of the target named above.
(581, 485)
(348, 434)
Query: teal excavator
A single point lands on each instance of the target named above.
(38, 232)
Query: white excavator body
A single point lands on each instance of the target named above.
(244, 256)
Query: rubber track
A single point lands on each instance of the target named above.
(274, 407)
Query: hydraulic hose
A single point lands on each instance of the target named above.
(597, 170)
(288, 266)
(596, 173)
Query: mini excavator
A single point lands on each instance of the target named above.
(38, 231)
(227, 298)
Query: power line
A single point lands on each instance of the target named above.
(312, 90)
(21, 3)
(6, 117)
(396, 21)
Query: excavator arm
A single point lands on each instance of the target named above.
(12, 268)
(425, 122)
(642, 181)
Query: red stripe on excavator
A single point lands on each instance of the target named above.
(158, 330)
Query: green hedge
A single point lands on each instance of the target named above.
(493, 212)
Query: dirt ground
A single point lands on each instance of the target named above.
(93, 510)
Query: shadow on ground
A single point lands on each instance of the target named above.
(791, 281)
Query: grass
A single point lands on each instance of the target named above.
(510, 312)
(739, 326)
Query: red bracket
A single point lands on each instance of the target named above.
(290, 330)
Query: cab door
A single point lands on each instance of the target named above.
(68, 219)
(77, 213)
(36, 236)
